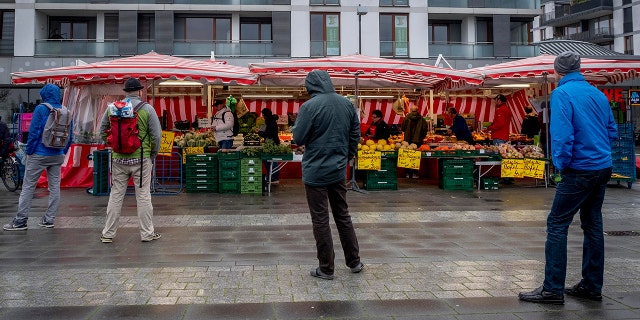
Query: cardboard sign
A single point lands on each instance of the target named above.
(190, 150)
(369, 160)
(409, 159)
(512, 168)
(533, 168)
(166, 143)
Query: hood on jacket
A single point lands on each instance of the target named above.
(317, 82)
(413, 116)
(50, 93)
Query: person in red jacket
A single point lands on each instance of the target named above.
(501, 126)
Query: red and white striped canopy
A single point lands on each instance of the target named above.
(375, 73)
(151, 66)
(533, 69)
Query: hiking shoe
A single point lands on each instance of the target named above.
(104, 239)
(13, 227)
(319, 274)
(154, 236)
(581, 291)
(359, 267)
(44, 224)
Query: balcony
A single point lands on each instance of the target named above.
(6, 47)
(394, 49)
(507, 4)
(76, 48)
(600, 35)
(577, 12)
(479, 50)
(244, 48)
(325, 48)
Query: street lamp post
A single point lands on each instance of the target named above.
(361, 12)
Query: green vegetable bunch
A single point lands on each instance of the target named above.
(270, 147)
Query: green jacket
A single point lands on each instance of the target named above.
(327, 125)
(150, 130)
(414, 127)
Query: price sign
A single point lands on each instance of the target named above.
(533, 168)
(191, 150)
(166, 143)
(409, 159)
(369, 160)
(512, 168)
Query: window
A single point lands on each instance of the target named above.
(627, 22)
(203, 29)
(628, 45)
(626, 2)
(146, 27)
(394, 35)
(445, 32)
(7, 24)
(325, 34)
(255, 29)
(572, 29)
(521, 32)
(484, 31)
(394, 3)
(324, 2)
(79, 28)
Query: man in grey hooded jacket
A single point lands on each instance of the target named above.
(327, 125)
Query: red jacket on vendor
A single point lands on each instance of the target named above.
(501, 126)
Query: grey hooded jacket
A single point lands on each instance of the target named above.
(328, 126)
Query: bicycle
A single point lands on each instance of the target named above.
(11, 168)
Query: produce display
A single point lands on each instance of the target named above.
(195, 139)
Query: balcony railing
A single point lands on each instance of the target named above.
(509, 4)
(478, 50)
(577, 12)
(325, 48)
(394, 48)
(600, 35)
(244, 48)
(6, 47)
(217, 2)
(76, 47)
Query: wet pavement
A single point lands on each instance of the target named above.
(429, 254)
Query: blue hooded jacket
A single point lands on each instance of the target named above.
(582, 125)
(328, 126)
(51, 94)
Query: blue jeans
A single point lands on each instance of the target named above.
(225, 144)
(584, 191)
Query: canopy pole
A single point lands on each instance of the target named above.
(354, 184)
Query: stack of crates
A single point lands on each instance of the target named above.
(250, 176)
(456, 174)
(101, 185)
(229, 172)
(202, 172)
(623, 154)
(387, 177)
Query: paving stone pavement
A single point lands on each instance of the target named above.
(430, 254)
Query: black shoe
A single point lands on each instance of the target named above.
(582, 292)
(541, 296)
(357, 268)
(319, 274)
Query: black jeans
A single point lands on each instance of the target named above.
(318, 199)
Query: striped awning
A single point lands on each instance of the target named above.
(150, 66)
(598, 71)
(585, 49)
(372, 72)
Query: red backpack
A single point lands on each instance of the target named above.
(122, 136)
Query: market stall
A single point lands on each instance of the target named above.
(89, 87)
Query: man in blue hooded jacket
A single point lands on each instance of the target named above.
(582, 128)
(40, 158)
(327, 125)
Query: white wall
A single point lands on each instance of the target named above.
(25, 29)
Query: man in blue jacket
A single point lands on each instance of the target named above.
(327, 125)
(582, 128)
(40, 158)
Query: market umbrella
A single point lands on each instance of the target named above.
(150, 66)
(373, 73)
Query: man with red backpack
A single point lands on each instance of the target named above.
(126, 163)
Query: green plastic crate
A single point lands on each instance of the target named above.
(229, 187)
(457, 182)
(225, 165)
(490, 183)
(228, 155)
(204, 157)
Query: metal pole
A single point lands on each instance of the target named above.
(353, 182)
(359, 43)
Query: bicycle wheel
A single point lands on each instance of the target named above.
(10, 174)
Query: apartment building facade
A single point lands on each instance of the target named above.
(38, 34)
